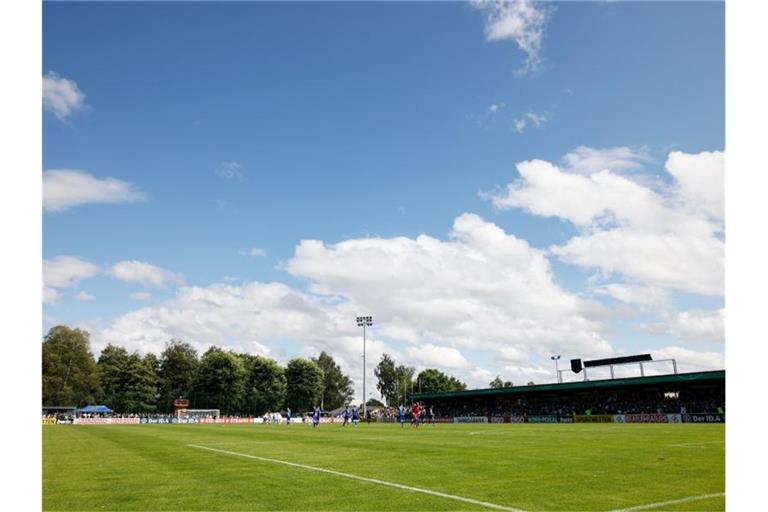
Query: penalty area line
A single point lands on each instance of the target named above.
(362, 479)
(672, 502)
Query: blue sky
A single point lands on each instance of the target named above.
(363, 126)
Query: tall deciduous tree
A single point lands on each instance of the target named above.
(139, 385)
(220, 381)
(264, 385)
(386, 376)
(70, 374)
(304, 384)
(432, 381)
(337, 387)
(176, 375)
(113, 363)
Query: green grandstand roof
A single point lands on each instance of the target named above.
(581, 385)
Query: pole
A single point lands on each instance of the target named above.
(557, 369)
(364, 404)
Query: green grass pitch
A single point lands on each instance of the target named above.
(521, 467)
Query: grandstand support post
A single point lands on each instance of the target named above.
(611, 371)
(642, 370)
(674, 366)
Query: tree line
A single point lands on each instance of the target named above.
(237, 384)
(234, 383)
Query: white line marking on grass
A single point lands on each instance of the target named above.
(672, 502)
(696, 444)
(364, 479)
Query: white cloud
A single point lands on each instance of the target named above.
(521, 21)
(530, 118)
(49, 295)
(483, 289)
(700, 179)
(65, 188)
(480, 290)
(586, 160)
(255, 252)
(143, 296)
(61, 96)
(144, 273)
(660, 240)
(644, 296)
(699, 325)
(230, 170)
(433, 356)
(83, 296)
(690, 360)
(65, 271)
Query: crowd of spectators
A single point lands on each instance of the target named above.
(624, 402)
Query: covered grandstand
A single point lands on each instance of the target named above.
(682, 397)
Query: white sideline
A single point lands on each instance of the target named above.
(671, 502)
(364, 479)
(696, 444)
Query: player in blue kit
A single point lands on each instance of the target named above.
(345, 415)
(355, 415)
(401, 415)
(316, 417)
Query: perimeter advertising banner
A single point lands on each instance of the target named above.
(470, 419)
(595, 418)
(703, 418)
(542, 419)
(49, 421)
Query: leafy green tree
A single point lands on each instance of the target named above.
(497, 382)
(304, 384)
(139, 385)
(372, 402)
(337, 387)
(70, 374)
(433, 381)
(220, 381)
(386, 376)
(176, 374)
(113, 363)
(264, 385)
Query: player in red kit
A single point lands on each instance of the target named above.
(416, 414)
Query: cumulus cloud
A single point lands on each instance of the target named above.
(521, 21)
(61, 96)
(586, 160)
(483, 288)
(65, 188)
(65, 271)
(668, 240)
(50, 296)
(690, 360)
(143, 273)
(142, 296)
(699, 325)
(480, 290)
(434, 356)
(644, 296)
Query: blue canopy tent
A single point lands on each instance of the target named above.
(100, 409)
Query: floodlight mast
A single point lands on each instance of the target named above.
(556, 358)
(364, 321)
